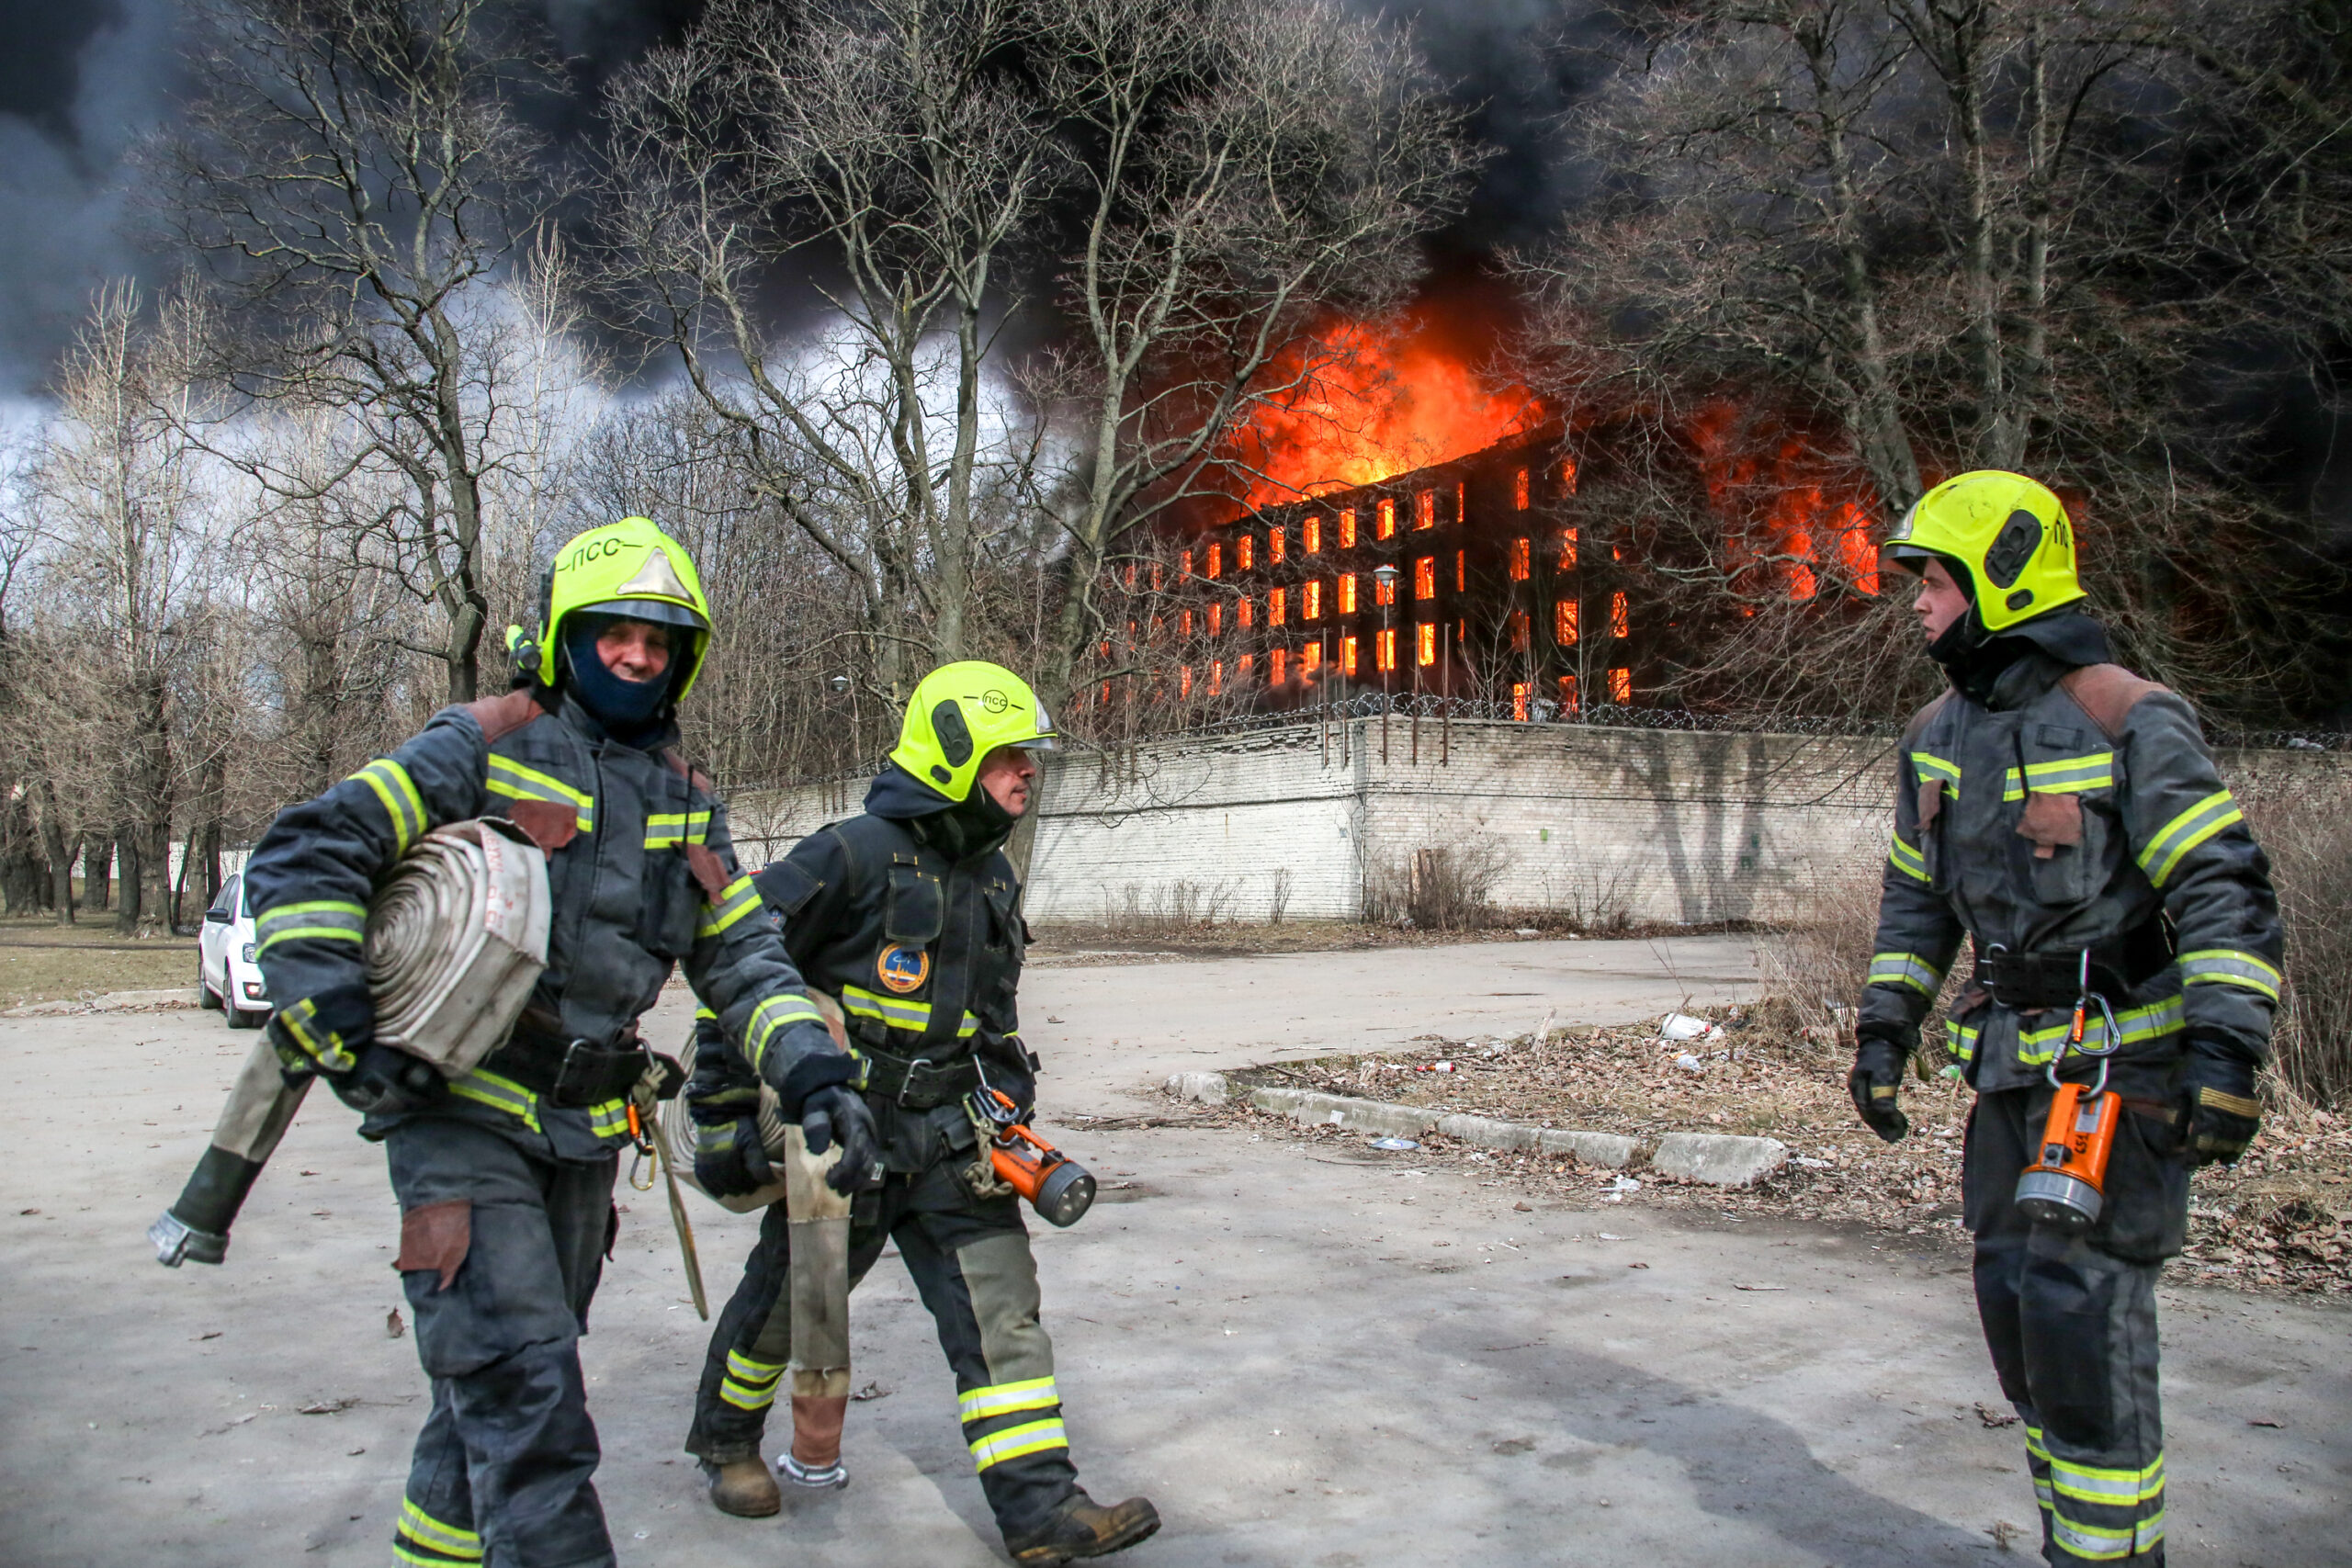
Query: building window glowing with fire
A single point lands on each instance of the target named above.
(1184, 622)
(1564, 623)
(1518, 491)
(1310, 598)
(1348, 528)
(1569, 693)
(1523, 564)
(1383, 592)
(1567, 549)
(1348, 655)
(1425, 643)
(1519, 701)
(1568, 477)
(1385, 528)
(1277, 606)
(1217, 562)
(1217, 677)
(1310, 659)
(1519, 631)
(1347, 597)
(1425, 510)
(1425, 578)
(1277, 666)
(1216, 618)
(1184, 681)
(1621, 686)
(1311, 527)
(1243, 559)
(1242, 609)
(1386, 647)
(1619, 624)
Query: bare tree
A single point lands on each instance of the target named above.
(363, 170)
(885, 146)
(1246, 170)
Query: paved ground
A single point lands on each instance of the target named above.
(1343, 1361)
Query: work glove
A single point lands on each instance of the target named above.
(729, 1159)
(2220, 1113)
(1877, 1080)
(837, 1112)
(388, 1083)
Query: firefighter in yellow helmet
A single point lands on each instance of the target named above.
(911, 916)
(2066, 816)
(504, 1176)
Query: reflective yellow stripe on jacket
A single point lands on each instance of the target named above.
(2228, 966)
(397, 792)
(1904, 969)
(513, 780)
(331, 919)
(899, 1012)
(2186, 831)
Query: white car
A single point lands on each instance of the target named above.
(226, 975)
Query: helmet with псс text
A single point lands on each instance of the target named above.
(959, 714)
(2007, 531)
(633, 569)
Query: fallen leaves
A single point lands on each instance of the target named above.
(1994, 1419)
(394, 1326)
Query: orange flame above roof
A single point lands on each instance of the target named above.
(1368, 403)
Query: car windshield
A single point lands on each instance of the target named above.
(232, 900)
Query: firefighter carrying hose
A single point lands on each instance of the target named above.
(2066, 816)
(504, 1176)
(911, 915)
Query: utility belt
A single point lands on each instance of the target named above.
(919, 1083)
(2030, 982)
(571, 1073)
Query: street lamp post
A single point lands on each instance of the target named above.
(1385, 655)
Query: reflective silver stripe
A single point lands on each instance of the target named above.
(1035, 1437)
(2123, 1487)
(1904, 969)
(513, 780)
(2068, 775)
(749, 1384)
(2097, 1544)
(663, 828)
(500, 1094)
(2149, 1023)
(1926, 768)
(1004, 1398)
(2228, 966)
(2186, 831)
(740, 899)
(427, 1530)
(330, 918)
(1963, 1041)
(896, 1011)
(397, 792)
(772, 1015)
(1906, 860)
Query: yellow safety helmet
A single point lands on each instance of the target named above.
(959, 714)
(629, 568)
(2008, 531)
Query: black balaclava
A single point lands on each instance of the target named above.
(961, 828)
(632, 712)
(1975, 659)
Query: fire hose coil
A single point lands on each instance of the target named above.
(456, 938)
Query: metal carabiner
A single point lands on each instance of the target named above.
(907, 1087)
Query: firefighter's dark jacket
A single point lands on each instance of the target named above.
(643, 876)
(911, 915)
(2073, 807)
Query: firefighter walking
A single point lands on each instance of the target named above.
(911, 916)
(504, 1176)
(2066, 816)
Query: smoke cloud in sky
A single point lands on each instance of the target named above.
(81, 83)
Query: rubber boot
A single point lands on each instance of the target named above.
(744, 1487)
(1079, 1527)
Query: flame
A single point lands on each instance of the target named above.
(1366, 402)
(1782, 496)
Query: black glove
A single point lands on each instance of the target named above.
(839, 1111)
(2220, 1112)
(729, 1159)
(388, 1082)
(1876, 1082)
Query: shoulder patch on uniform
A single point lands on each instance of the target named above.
(1925, 716)
(2107, 692)
(502, 716)
(696, 778)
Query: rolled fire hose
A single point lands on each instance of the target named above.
(818, 1281)
(456, 939)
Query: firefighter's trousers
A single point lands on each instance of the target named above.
(971, 1264)
(500, 1253)
(2072, 1326)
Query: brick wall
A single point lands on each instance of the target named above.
(1664, 825)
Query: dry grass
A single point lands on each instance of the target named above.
(2309, 838)
(42, 962)
(1439, 887)
(2280, 1221)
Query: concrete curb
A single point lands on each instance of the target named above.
(1719, 1159)
(1308, 1109)
(1608, 1151)
(1209, 1089)
(113, 1001)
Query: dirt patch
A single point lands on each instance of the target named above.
(2280, 1221)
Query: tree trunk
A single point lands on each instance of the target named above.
(59, 851)
(126, 906)
(97, 869)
